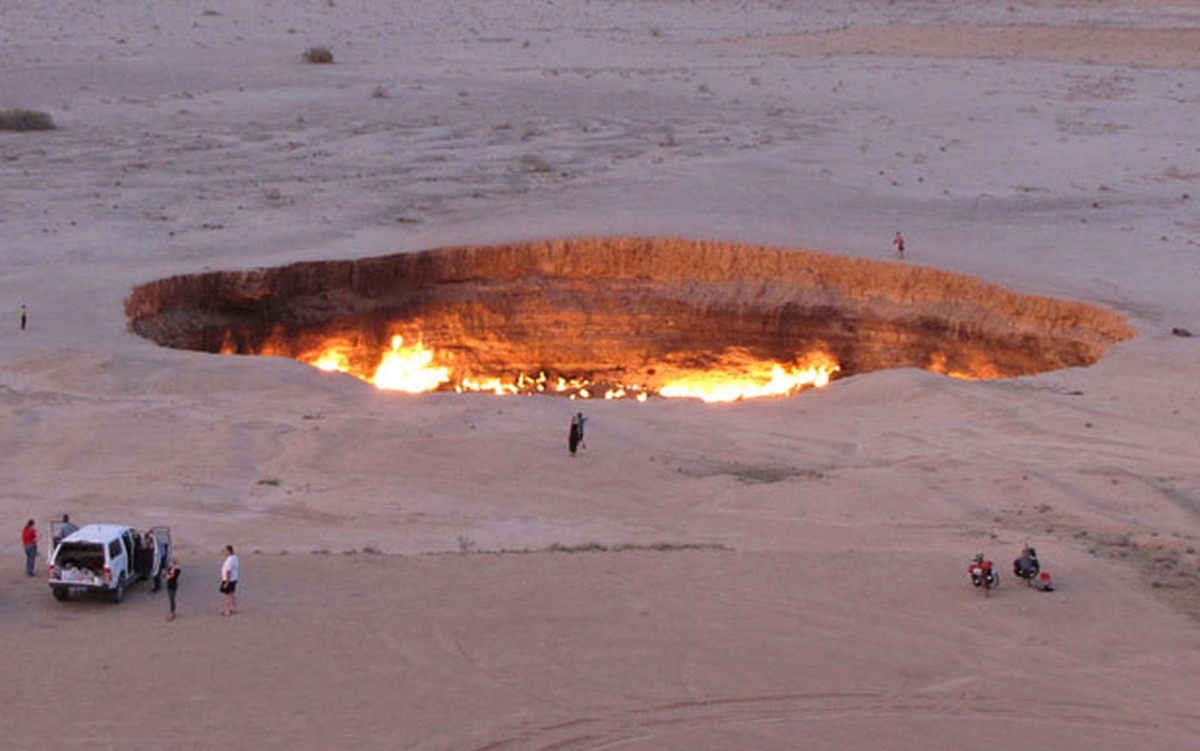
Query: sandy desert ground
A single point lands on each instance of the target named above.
(434, 572)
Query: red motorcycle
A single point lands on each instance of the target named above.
(983, 574)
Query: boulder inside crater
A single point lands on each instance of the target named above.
(623, 316)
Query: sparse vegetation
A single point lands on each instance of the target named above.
(534, 163)
(751, 474)
(1166, 562)
(21, 120)
(587, 547)
(467, 546)
(320, 55)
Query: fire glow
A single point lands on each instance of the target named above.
(415, 368)
(621, 318)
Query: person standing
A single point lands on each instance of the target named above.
(64, 529)
(29, 540)
(898, 241)
(580, 420)
(172, 585)
(574, 435)
(229, 581)
(23, 316)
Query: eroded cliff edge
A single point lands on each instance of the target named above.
(610, 308)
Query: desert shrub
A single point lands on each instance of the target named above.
(318, 55)
(534, 163)
(21, 120)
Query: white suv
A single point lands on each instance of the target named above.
(108, 558)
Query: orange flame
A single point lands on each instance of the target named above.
(978, 368)
(408, 369)
(735, 375)
(334, 359)
(751, 380)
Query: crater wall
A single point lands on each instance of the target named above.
(611, 308)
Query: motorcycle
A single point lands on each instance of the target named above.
(983, 574)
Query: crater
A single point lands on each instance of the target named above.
(621, 316)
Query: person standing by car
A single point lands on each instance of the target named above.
(29, 540)
(172, 585)
(66, 528)
(229, 581)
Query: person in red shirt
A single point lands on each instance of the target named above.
(29, 540)
(898, 241)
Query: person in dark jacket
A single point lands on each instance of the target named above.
(172, 585)
(575, 436)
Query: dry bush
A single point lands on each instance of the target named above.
(23, 120)
(318, 55)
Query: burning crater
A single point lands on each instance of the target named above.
(621, 317)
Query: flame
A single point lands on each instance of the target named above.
(228, 345)
(332, 360)
(399, 368)
(409, 369)
(734, 374)
(750, 380)
(979, 367)
(487, 385)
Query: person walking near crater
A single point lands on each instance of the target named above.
(229, 582)
(898, 241)
(575, 435)
(580, 420)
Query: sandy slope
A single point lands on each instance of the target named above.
(707, 649)
(809, 590)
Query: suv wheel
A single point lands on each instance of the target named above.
(118, 594)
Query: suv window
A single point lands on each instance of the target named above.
(114, 549)
(81, 554)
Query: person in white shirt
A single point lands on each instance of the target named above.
(229, 580)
